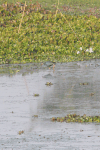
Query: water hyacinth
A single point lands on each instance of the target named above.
(77, 118)
(37, 34)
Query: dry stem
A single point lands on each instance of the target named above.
(22, 17)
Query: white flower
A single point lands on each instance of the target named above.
(81, 48)
(87, 50)
(90, 50)
(78, 52)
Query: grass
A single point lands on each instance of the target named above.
(68, 31)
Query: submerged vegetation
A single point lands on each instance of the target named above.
(77, 118)
(31, 33)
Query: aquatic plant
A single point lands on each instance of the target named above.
(35, 116)
(49, 83)
(77, 118)
(20, 132)
(36, 94)
(30, 33)
(85, 83)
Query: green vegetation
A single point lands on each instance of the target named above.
(32, 33)
(77, 118)
(49, 83)
(36, 94)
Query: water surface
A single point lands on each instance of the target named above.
(18, 105)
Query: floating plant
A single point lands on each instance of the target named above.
(85, 83)
(35, 116)
(92, 94)
(20, 132)
(49, 83)
(37, 34)
(36, 94)
(77, 118)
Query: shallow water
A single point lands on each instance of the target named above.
(18, 105)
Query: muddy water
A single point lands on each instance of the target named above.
(18, 105)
